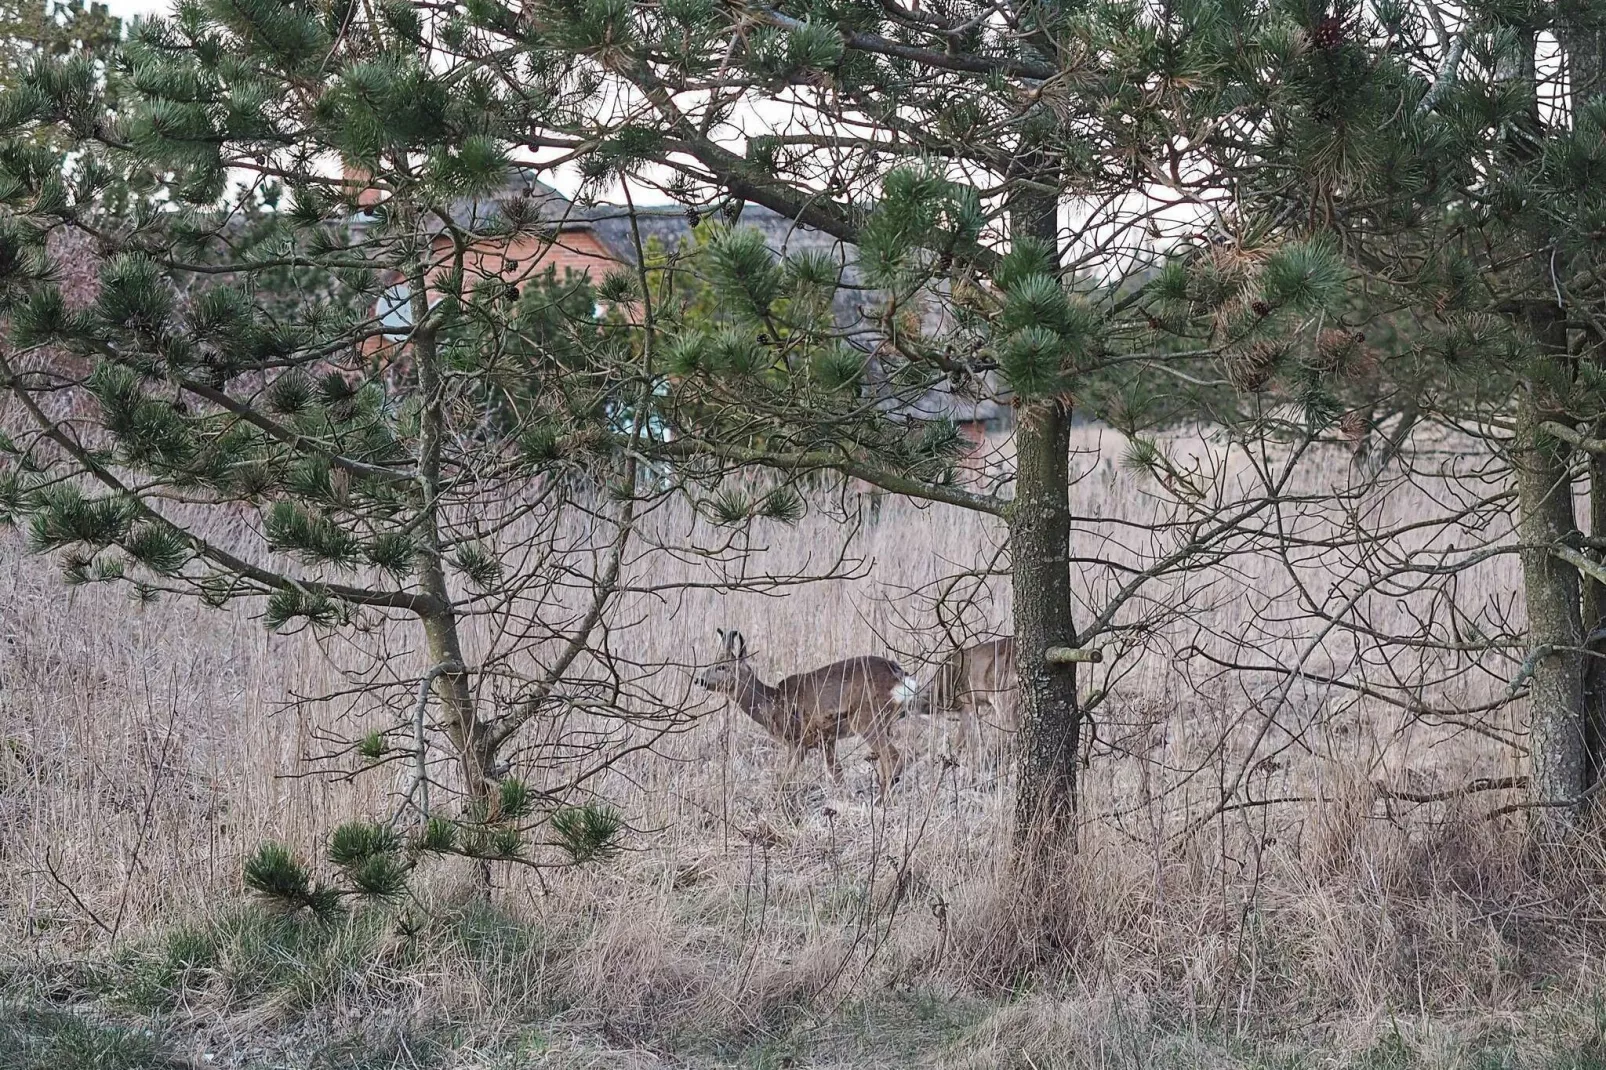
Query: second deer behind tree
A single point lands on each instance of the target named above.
(967, 680)
(855, 697)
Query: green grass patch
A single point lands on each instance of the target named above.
(1390, 1052)
(517, 963)
(40, 1038)
(476, 988)
(248, 956)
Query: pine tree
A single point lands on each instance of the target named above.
(281, 395)
(237, 358)
(1460, 169)
(953, 149)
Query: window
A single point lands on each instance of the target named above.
(622, 417)
(395, 309)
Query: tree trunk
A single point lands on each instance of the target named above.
(469, 737)
(1583, 36)
(1560, 736)
(1594, 628)
(1039, 548)
(1039, 541)
(476, 751)
(1551, 587)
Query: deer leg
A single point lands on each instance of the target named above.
(891, 765)
(958, 736)
(968, 732)
(829, 746)
(795, 753)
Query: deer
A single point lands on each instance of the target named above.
(862, 696)
(969, 678)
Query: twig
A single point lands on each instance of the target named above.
(145, 823)
(1249, 804)
(50, 868)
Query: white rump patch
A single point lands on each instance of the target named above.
(904, 690)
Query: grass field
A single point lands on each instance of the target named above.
(147, 750)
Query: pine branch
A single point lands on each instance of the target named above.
(293, 439)
(1573, 438)
(818, 460)
(1593, 569)
(419, 604)
(1445, 79)
(418, 790)
(947, 61)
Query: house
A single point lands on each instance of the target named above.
(595, 239)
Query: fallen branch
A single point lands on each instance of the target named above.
(1246, 804)
(1509, 783)
(1547, 804)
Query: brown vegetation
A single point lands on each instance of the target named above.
(1262, 855)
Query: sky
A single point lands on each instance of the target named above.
(565, 180)
(127, 9)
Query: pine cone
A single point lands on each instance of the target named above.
(1260, 308)
(693, 216)
(1329, 33)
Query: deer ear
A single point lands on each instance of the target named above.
(738, 645)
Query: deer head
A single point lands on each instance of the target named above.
(725, 675)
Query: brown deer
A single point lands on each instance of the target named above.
(856, 697)
(967, 680)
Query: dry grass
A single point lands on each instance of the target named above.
(146, 751)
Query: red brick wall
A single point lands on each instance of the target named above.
(577, 250)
